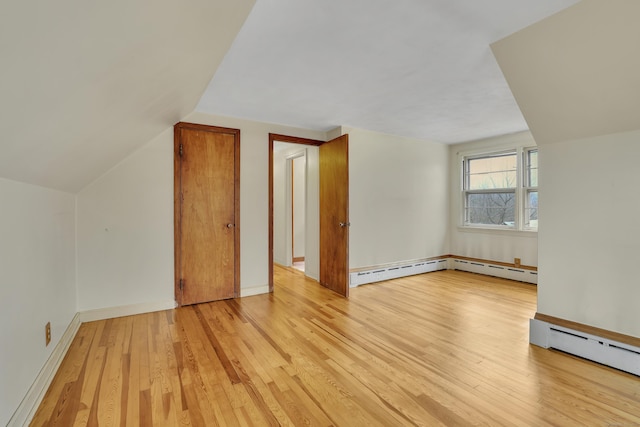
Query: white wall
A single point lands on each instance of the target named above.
(493, 245)
(398, 198)
(312, 215)
(280, 209)
(37, 284)
(590, 232)
(299, 204)
(125, 231)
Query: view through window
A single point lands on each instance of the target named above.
(497, 194)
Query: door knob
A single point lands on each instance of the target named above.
(230, 225)
(345, 224)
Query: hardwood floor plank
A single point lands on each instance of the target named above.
(220, 351)
(446, 348)
(138, 340)
(205, 396)
(146, 410)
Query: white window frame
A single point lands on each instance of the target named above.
(527, 188)
(522, 188)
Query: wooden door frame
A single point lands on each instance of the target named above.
(177, 214)
(273, 137)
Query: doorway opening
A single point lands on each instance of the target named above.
(294, 204)
(326, 212)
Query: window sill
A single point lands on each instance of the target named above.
(498, 231)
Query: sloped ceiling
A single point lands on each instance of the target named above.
(417, 68)
(577, 74)
(84, 83)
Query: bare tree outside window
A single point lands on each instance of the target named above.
(531, 185)
(491, 182)
(492, 208)
(501, 189)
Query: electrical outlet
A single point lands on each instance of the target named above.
(516, 262)
(47, 332)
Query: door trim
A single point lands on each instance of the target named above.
(177, 214)
(273, 137)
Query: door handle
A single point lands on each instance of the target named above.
(230, 225)
(345, 224)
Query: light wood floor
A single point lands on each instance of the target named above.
(445, 348)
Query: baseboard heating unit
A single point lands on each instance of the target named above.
(513, 273)
(609, 352)
(357, 278)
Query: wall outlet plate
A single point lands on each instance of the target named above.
(47, 331)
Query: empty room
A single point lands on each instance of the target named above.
(337, 213)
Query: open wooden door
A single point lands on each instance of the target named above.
(334, 215)
(207, 236)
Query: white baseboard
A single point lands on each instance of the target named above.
(125, 310)
(588, 346)
(396, 270)
(255, 290)
(29, 405)
(409, 268)
(489, 269)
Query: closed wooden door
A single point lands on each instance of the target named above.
(206, 213)
(334, 215)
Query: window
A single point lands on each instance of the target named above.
(500, 189)
(531, 188)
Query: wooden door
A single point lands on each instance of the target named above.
(207, 234)
(334, 215)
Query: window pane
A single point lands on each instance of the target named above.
(491, 208)
(532, 168)
(491, 172)
(531, 210)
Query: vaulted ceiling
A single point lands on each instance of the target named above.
(83, 84)
(418, 68)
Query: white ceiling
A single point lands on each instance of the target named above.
(85, 83)
(417, 68)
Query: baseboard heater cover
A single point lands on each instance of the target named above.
(486, 268)
(612, 353)
(358, 278)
